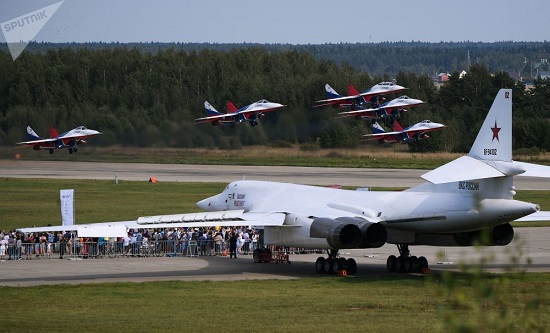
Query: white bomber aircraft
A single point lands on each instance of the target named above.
(461, 201)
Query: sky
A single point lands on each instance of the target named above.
(287, 21)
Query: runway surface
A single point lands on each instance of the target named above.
(402, 178)
(531, 243)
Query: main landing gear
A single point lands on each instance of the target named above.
(333, 264)
(406, 263)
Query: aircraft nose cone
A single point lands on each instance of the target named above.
(208, 204)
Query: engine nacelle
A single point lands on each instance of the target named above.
(372, 234)
(497, 236)
(339, 235)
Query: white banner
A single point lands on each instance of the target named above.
(67, 206)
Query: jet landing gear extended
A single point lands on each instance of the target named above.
(333, 264)
(406, 263)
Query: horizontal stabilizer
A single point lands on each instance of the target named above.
(534, 170)
(536, 216)
(463, 168)
(469, 168)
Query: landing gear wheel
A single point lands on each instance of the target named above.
(331, 266)
(415, 267)
(50, 151)
(422, 263)
(341, 263)
(70, 150)
(350, 266)
(391, 264)
(320, 265)
(407, 265)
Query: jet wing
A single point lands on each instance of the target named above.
(365, 113)
(380, 135)
(190, 220)
(35, 142)
(212, 219)
(217, 117)
(331, 101)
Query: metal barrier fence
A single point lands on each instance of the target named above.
(114, 249)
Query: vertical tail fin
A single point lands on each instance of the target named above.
(396, 126)
(53, 133)
(331, 93)
(351, 90)
(210, 110)
(31, 135)
(494, 140)
(491, 153)
(376, 128)
(230, 107)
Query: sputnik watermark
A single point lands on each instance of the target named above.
(21, 30)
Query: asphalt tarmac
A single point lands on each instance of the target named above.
(530, 252)
(402, 178)
(531, 245)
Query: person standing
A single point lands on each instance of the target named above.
(233, 245)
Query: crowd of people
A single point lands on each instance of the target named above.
(233, 241)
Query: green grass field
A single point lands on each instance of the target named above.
(403, 303)
(406, 303)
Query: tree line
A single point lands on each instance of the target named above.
(145, 98)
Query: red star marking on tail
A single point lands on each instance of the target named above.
(495, 132)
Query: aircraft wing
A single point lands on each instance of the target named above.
(212, 219)
(34, 142)
(189, 220)
(365, 113)
(336, 100)
(380, 135)
(217, 117)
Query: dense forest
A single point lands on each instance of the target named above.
(142, 97)
(388, 58)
